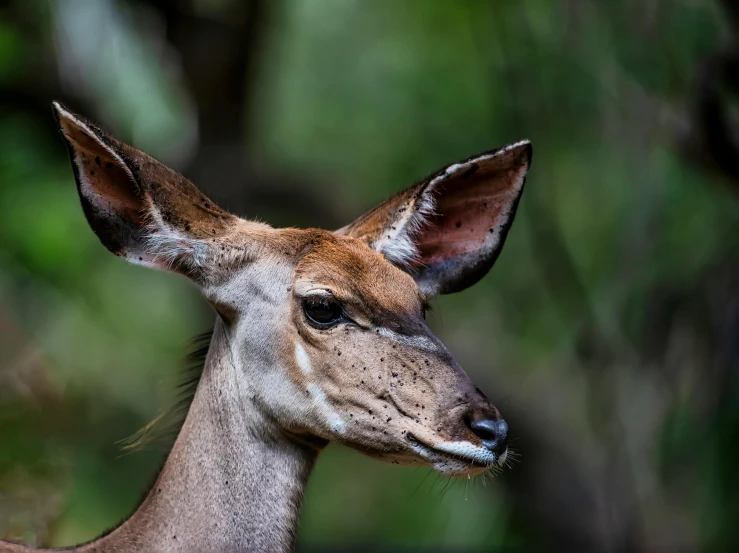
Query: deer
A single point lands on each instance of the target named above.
(319, 336)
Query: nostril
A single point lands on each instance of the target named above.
(493, 433)
(486, 430)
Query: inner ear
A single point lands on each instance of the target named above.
(103, 178)
(468, 211)
(448, 230)
(139, 208)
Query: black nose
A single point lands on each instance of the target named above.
(492, 431)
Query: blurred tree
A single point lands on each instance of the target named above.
(607, 332)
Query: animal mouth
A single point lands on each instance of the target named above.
(457, 458)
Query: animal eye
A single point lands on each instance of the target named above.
(323, 312)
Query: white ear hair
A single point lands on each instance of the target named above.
(397, 244)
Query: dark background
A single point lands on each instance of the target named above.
(607, 333)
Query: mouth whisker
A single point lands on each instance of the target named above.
(449, 485)
(512, 457)
(436, 481)
(419, 485)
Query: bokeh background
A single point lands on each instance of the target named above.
(607, 332)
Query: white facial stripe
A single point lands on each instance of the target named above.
(420, 342)
(334, 419)
(319, 397)
(301, 357)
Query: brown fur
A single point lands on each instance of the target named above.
(276, 387)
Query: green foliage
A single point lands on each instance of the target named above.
(367, 97)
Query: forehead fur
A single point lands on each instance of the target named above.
(351, 269)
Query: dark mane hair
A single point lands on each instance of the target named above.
(163, 430)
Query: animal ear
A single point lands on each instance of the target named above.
(448, 230)
(139, 208)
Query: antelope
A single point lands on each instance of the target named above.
(319, 337)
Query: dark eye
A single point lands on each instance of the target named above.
(323, 312)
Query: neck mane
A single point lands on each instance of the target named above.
(233, 480)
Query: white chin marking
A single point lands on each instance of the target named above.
(439, 457)
(441, 463)
(470, 451)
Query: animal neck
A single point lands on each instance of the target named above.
(232, 482)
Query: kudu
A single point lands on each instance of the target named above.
(320, 336)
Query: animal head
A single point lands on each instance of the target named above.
(327, 330)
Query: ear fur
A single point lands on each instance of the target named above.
(139, 208)
(448, 230)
